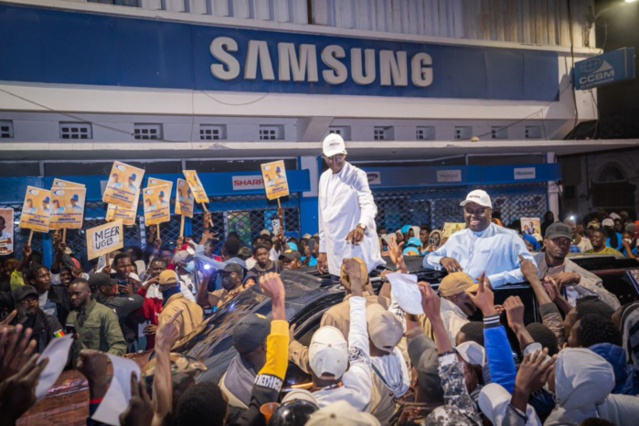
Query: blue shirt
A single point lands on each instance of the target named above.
(495, 251)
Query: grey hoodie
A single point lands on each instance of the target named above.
(583, 382)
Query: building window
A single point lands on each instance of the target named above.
(6, 129)
(499, 133)
(533, 132)
(212, 132)
(425, 133)
(343, 131)
(271, 133)
(70, 130)
(463, 132)
(383, 133)
(147, 131)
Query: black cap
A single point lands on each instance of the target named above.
(24, 291)
(291, 255)
(234, 267)
(100, 280)
(250, 333)
(557, 230)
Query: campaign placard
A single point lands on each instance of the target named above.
(531, 226)
(196, 186)
(127, 216)
(61, 184)
(67, 207)
(184, 200)
(123, 186)
(104, 239)
(275, 182)
(36, 210)
(451, 227)
(156, 205)
(152, 182)
(6, 231)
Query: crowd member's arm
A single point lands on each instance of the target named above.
(587, 283)
(554, 290)
(498, 351)
(358, 342)
(140, 410)
(167, 335)
(514, 308)
(297, 352)
(450, 371)
(396, 255)
(433, 260)
(114, 337)
(93, 364)
(270, 378)
(18, 379)
(518, 251)
(532, 375)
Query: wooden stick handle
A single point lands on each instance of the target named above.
(158, 229)
(181, 226)
(64, 235)
(207, 210)
(279, 204)
(30, 237)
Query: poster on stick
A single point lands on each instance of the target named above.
(36, 210)
(104, 239)
(127, 216)
(67, 207)
(123, 186)
(196, 186)
(6, 231)
(531, 226)
(153, 182)
(275, 182)
(156, 205)
(184, 199)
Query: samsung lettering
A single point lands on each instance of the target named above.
(304, 63)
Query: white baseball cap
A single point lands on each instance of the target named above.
(300, 394)
(333, 145)
(472, 353)
(608, 222)
(328, 352)
(493, 402)
(478, 196)
(614, 216)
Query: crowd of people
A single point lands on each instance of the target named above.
(373, 360)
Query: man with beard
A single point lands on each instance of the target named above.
(95, 325)
(45, 327)
(126, 283)
(232, 276)
(568, 277)
(105, 289)
(482, 247)
(174, 301)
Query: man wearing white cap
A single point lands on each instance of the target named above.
(346, 212)
(482, 247)
(342, 369)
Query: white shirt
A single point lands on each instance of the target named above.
(345, 200)
(250, 263)
(495, 251)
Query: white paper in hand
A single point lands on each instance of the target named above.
(406, 292)
(58, 353)
(117, 397)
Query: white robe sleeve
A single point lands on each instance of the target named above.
(366, 201)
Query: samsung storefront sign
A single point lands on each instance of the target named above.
(136, 52)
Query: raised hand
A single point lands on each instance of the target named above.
(15, 346)
(140, 410)
(485, 298)
(514, 308)
(272, 285)
(431, 303)
(17, 392)
(168, 333)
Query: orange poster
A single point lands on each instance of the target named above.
(184, 199)
(123, 187)
(196, 186)
(36, 210)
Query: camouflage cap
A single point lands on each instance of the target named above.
(183, 368)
